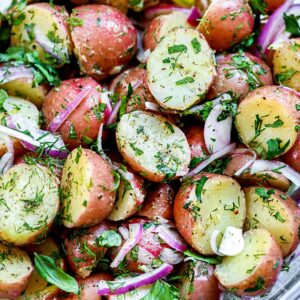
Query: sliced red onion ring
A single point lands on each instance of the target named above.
(213, 242)
(10, 73)
(217, 134)
(70, 107)
(99, 139)
(194, 16)
(114, 114)
(248, 164)
(171, 238)
(144, 256)
(124, 232)
(272, 27)
(122, 286)
(6, 162)
(285, 170)
(135, 235)
(212, 158)
(290, 90)
(106, 100)
(142, 54)
(163, 9)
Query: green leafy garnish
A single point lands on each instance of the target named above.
(161, 290)
(263, 193)
(211, 260)
(108, 239)
(275, 148)
(185, 80)
(292, 25)
(258, 286)
(199, 187)
(177, 48)
(196, 45)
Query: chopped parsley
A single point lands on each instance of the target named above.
(185, 80)
(177, 49)
(196, 45)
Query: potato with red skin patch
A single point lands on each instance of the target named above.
(226, 22)
(239, 73)
(195, 137)
(292, 157)
(158, 203)
(162, 25)
(198, 282)
(83, 250)
(105, 42)
(120, 4)
(205, 203)
(273, 4)
(88, 288)
(82, 125)
(137, 78)
(254, 271)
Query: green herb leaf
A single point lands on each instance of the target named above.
(258, 286)
(211, 260)
(108, 239)
(199, 186)
(196, 45)
(275, 149)
(137, 150)
(278, 123)
(196, 161)
(170, 127)
(162, 291)
(48, 270)
(185, 80)
(259, 6)
(177, 48)
(292, 25)
(263, 193)
(283, 77)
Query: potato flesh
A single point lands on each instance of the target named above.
(235, 269)
(271, 215)
(29, 203)
(185, 84)
(223, 204)
(15, 265)
(76, 183)
(153, 143)
(268, 111)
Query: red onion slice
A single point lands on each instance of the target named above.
(171, 238)
(212, 158)
(122, 286)
(217, 134)
(163, 9)
(6, 162)
(248, 164)
(272, 27)
(124, 232)
(9, 73)
(106, 100)
(290, 90)
(194, 16)
(63, 115)
(135, 235)
(99, 139)
(285, 170)
(114, 114)
(144, 256)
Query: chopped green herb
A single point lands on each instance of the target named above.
(196, 45)
(211, 260)
(137, 150)
(177, 48)
(263, 193)
(185, 81)
(199, 187)
(275, 149)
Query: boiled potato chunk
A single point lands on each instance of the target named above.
(29, 204)
(255, 270)
(267, 120)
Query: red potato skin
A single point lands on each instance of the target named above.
(88, 288)
(238, 83)
(103, 48)
(266, 178)
(152, 34)
(76, 243)
(158, 203)
(273, 4)
(18, 148)
(223, 31)
(195, 137)
(264, 271)
(137, 77)
(120, 4)
(292, 157)
(83, 118)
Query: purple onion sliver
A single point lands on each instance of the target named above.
(290, 90)
(114, 114)
(162, 9)
(63, 115)
(194, 17)
(129, 284)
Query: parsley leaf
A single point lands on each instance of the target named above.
(292, 25)
(211, 260)
(109, 238)
(199, 187)
(263, 193)
(161, 290)
(274, 148)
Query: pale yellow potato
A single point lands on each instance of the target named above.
(286, 63)
(255, 270)
(267, 117)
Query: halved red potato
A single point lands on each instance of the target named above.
(83, 249)
(195, 137)
(226, 22)
(158, 203)
(104, 41)
(276, 212)
(265, 178)
(152, 146)
(198, 282)
(23, 86)
(292, 157)
(161, 26)
(37, 288)
(181, 69)
(30, 202)
(130, 194)
(15, 271)
(240, 73)
(205, 203)
(286, 63)
(120, 4)
(43, 28)
(87, 189)
(14, 106)
(82, 125)
(137, 78)
(255, 270)
(88, 288)
(266, 121)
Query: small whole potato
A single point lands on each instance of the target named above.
(226, 22)
(292, 157)
(120, 4)
(104, 41)
(239, 73)
(82, 125)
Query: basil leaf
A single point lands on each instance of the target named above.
(109, 238)
(211, 260)
(162, 291)
(48, 270)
